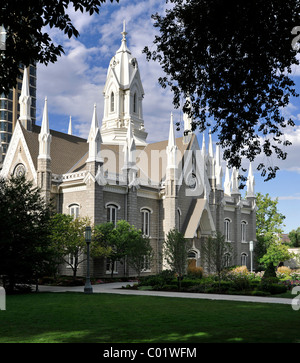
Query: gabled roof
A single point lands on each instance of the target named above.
(66, 150)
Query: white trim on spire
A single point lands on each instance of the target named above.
(25, 102)
(235, 181)
(227, 189)
(171, 141)
(203, 149)
(219, 170)
(171, 148)
(44, 136)
(70, 131)
(94, 139)
(210, 146)
(250, 183)
(123, 47)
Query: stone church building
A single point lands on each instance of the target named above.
(116, 175)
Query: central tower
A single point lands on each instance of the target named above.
(123, 96)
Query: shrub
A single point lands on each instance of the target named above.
(223, 286)
(163, 278)
(289, 284)
(276, 289)
(270, 271)
(295, 275)
(195, 272)
(197, 288)
(271, 285)
(284, 270)
(189, 282)
(170, 287)
(240, 270)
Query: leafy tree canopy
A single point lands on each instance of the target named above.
(25, 246)
(68, 239)
(269, 221)
(233, 59)
(277, 252)
(175, 251)
(27, 41)
(294, 237)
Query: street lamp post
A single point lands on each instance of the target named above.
(251, 257)
(88, 237)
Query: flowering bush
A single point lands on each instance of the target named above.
(289, 284)
(240, 270)
(295, 275)
(283, 271)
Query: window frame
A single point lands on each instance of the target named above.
(244, 231)
(108, 263)
(112, 206)
(112, 101)
(244, 258)
(76, 208)
(146, 221)
(227, 222)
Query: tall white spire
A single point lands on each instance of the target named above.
(25, 102)
(171, 148)
(235, 181)
(227, 189)
(70, 131)
(44, 136)
(219, 170)
(203, 145)
(94, 139)
(211, 160)
(250, 183)
(210, 146)
(123, 47)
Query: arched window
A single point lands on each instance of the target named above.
(244, 259)
(110, 264)
(227, 229)
(244, 231)
(74, 210)
(145, 221)
(112, 213)
(112, 102)
(192, 254)
(227, 259)
(135, 103)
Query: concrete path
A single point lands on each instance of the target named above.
(116, 288)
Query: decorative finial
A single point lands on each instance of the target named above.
(124, 30)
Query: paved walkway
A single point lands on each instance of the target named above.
(116, 288)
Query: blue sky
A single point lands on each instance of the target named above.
(75, 83)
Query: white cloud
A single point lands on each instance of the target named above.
(289, 197)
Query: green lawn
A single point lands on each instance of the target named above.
(109, 318)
